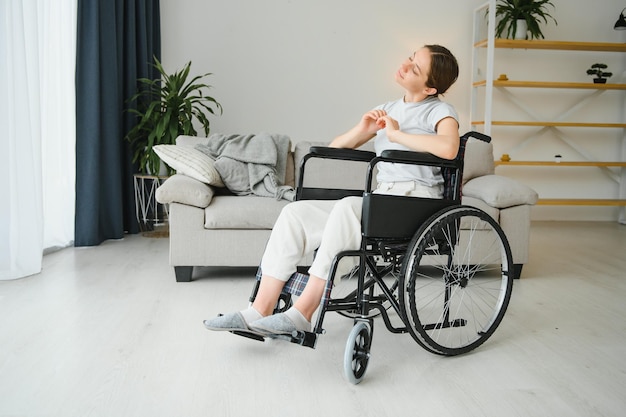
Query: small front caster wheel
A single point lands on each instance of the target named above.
(357, 354)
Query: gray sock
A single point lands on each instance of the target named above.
(297, 318)
(251, 314)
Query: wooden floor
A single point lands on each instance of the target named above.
(107, 331)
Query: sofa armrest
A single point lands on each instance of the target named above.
(500, 192)
(185, 190)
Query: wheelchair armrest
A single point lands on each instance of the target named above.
(338, 154)
(342, 153)
(422, 158)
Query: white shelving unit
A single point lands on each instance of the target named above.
(484, 118)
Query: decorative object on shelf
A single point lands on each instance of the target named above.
(503, 77)
(166, 108)
(521, 29)
(601, 75)
(516, 13)
(505, 157)
(557, 158)
(621, 21)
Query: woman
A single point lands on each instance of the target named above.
(419, 122)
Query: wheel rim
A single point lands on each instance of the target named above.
(357, 354)
(457, 285)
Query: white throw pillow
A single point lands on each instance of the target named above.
(191, 162)
(500, 192)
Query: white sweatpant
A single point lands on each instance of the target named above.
(328, 226)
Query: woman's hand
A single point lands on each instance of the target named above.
(390, 124)
(362, 132)
(371, 122)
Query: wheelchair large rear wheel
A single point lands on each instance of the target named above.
(456, 280)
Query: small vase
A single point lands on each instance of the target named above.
(521, 30)
(599, 80)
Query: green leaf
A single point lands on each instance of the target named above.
(165, 108)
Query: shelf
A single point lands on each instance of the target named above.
(490, 90)
(552, 124)
(550, 84)
(555, 45)
(579, 202)
(563, 163)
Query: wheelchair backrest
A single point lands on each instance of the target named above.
(396, 217)
(453, 178)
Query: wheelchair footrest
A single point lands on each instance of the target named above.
(453, 323)
(249, 335)
(308, 339)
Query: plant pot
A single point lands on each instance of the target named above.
(599, 80)
(521, 30)
(152, 216)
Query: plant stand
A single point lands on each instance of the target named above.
(152, 216)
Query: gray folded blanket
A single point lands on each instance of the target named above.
(251, 164)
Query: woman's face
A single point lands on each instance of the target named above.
(414, 71)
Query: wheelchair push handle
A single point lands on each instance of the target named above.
(477, 135)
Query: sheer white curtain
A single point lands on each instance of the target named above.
(37, 131)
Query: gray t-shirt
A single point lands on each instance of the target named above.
(415, 118)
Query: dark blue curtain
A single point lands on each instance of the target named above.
(117, 40)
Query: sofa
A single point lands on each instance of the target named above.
(210, 226)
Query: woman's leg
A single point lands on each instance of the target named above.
(297, 232)
(267, 296)
(341, 232)
(310, 298)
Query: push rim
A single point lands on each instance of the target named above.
(456, 281)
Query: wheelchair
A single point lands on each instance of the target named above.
(444, 269)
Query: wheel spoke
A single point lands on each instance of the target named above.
(455, 283)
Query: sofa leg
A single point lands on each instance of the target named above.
(183, 273)
(517, 270)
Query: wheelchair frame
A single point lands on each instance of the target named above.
(404, 246)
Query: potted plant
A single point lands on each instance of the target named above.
(598, 71)
(167, 108)
(526, 15)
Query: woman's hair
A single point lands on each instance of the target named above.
(444, 69)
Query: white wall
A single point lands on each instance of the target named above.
(309, 69)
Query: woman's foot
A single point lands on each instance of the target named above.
(282, 324)
(237, 321)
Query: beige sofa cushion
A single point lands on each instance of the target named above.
(191, 141)
(185, 190)
(478, 159)
(242, 212)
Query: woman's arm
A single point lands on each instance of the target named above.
(446, 144)
(362, 132)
